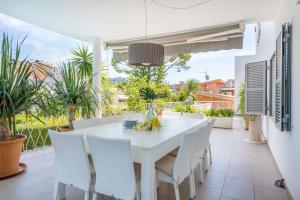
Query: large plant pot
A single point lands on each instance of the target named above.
(10, 152)
(246, 123)
(223, 122)
(64, 129)
(255, 130)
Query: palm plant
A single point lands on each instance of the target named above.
(74, 93)
(83, 60)
(19, 86)
(148, 94)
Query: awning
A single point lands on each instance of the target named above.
(202, 40)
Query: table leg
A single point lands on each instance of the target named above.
(148, 182)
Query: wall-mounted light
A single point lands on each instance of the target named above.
(298, 2)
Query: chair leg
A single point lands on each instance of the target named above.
(176, 191)
(157, 183)
(201, 177)
(86, 195)
(56, 191)
(210, 155)
(192, 186)
(59, 191)
(95, 196)
(205, 160)
(138, 196)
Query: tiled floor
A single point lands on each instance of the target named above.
(240, 171)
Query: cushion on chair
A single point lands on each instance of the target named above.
(166, 164)
(174, 152)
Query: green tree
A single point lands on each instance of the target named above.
(192, 86)
(155, 74)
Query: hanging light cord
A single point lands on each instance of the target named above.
(146, 17)
(180, 8)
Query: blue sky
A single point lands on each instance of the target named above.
(52, 47)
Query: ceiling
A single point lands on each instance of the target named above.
(114, 20)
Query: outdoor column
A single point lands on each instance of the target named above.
(97, 59)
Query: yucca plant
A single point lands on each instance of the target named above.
(74, 93)
(19, 86)
(241, 106)
(82, 59)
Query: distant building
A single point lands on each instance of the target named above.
(218, 86)
(42, 70)
(116, 80)
(214, 86)
(178, 86)
(229, 87)
(218, 92)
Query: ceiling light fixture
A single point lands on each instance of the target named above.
(145, 54)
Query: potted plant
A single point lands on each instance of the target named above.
(19, 93)
(223, 117)
(151, 120)
(74, 94)
(241, 106)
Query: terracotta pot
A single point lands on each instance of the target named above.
(10, 152)
(64, 129)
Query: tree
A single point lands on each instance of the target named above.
(153, 77)
(154, 74)
(192, 86)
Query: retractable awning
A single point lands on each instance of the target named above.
(194, 41)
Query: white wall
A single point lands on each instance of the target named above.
(285, 146)
(266, 42)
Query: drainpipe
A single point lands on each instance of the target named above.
(97, 66)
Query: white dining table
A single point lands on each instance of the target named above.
(147, 146)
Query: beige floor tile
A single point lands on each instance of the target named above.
(265, 194)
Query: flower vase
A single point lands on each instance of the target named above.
(150, 113)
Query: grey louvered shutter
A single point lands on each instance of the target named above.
(256, 79)
(283, 79)
(278, 82)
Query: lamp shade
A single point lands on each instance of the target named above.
(146, 54)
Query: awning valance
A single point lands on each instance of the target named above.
(203, 40)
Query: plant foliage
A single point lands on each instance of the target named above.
(222, 112)
(71, 89)
(19, 85)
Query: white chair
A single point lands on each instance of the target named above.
(208, 144)
(175, 169)
(86, 123)
(199, 153)
(117, 175)
(72, 166)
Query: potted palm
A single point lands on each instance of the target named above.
(19, 93)
(74, 94)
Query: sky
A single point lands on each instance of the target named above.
(51, 47)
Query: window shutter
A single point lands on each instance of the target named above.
(278, 80)
(256, 79)
(283, 79)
